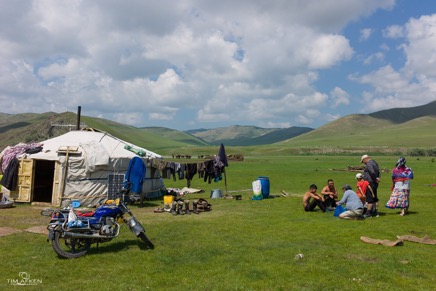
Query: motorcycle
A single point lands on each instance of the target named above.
(72, 232)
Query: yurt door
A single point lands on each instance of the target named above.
(43, 181)
(24, 191)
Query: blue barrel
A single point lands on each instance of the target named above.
(264, 181)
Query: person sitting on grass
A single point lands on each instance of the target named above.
(353, 205)
(311, 199)
(330, 194)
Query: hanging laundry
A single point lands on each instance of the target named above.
(191, 171)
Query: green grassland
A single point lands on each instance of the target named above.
(246, 244)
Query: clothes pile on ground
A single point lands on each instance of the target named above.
(175, 202)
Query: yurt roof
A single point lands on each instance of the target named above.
(114, 146)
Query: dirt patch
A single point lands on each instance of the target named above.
(38, 229)
(8, 230)
(35, 229)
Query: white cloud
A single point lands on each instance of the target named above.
(365, 34)
(161, 116)
(384, 47)
(127, 118)
(308, 116)
(327, 50)
(339, 97)
(378, 56)
(420, 48)
(394, 31)
(331, 117)
(416, 80)
(392, 89)
(276, 124)
(218, 61)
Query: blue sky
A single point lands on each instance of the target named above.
(204, 64)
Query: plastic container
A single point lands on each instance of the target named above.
(257, 190)
(264, 181)
(216, 193)
(76, 203)
(338, 210)
(168, 199)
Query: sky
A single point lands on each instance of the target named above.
(191, 64)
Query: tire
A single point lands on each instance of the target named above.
(70, 248)
(146, 241)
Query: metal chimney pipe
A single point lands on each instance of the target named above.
(78, 117)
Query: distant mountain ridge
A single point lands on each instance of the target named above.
(239, 135)
(400, 115)
(398, 127)
(230, 132)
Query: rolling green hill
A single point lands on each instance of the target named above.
(405, 127)
(175, 135)
(127, 133)
(394, 130)
(235, 132)
(29, 128)
(270, 137)
(401, 115)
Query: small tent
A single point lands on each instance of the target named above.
(88, 166)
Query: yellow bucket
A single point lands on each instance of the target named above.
(168, 199)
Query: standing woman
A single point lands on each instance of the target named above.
(401, 176)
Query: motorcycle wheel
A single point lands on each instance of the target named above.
(70, 248)
(145, 240)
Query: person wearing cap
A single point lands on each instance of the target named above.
(371, 173)
(311, 199)
(401, 176)
(363, 188)
(353, 205)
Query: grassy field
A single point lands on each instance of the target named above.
(246, 244)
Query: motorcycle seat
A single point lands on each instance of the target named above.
(85, 213)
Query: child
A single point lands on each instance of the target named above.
(362, 186)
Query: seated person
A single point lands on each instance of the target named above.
(311, 199)
(330, 193)
(353, 205)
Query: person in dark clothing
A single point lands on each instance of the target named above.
(311, 199)
(371, 173)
